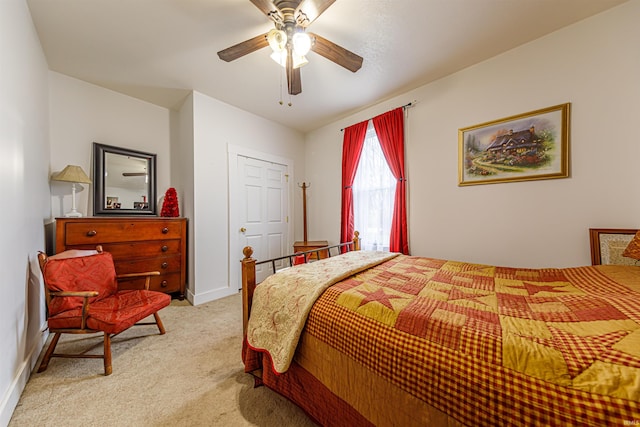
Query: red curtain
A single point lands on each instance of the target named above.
(390, 130)
(351, 150)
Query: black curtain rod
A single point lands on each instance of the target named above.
(405, 106)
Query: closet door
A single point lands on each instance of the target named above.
(262, 210)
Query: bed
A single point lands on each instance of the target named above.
(393, 340)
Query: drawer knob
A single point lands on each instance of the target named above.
(165, 230)
(163, 284)
(164, 265)
(165, 248)
(91, 233)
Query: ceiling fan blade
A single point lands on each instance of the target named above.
(294, 82)
(244, 48)
(309, 10)
(266, 6)
(335, 53)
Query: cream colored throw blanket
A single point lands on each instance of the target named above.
(282, 302)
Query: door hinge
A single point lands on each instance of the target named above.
(287, 218)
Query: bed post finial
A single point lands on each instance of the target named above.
(356, 240)
(247, 251)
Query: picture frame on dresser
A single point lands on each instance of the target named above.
(608, 244)
(124, 181)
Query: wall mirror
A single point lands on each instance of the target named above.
(124, 181)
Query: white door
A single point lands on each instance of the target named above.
(261, 214)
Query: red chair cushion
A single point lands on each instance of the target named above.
(68, 319)
(124, 309)
(115, 313)
(87, 273)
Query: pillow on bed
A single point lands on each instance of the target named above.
(633, 249)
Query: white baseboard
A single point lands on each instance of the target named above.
(11, 398)
(196, 299)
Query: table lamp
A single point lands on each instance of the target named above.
(75, 175)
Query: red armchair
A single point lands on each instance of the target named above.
(82, 296)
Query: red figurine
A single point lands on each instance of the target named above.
(170, 204)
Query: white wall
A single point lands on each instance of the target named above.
(24, 167)
(215, 126)
(191, 148)
(595, 65)
(82, 113)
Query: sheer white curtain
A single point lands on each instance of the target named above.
(373, 195)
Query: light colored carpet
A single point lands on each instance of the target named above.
(191, 376)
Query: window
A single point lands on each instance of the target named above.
(373, 195)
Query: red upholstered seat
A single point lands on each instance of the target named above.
(114, 314)
(81, 289)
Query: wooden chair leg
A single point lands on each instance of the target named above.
(107, 354)
(47, 356)
(159, 323)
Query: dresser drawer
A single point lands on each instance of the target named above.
(125, 251)
(138, 265)
(164, 283)
(89, 232)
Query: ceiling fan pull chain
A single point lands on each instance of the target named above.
(281, 74)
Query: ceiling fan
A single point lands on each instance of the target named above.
(291, 18)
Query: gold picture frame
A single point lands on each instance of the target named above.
(529, 146)
(608, 244)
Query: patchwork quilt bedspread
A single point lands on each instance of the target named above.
(282, 302)
(494, 345)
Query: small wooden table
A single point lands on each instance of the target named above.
(311, 245)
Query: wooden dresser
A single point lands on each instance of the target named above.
(136, 243)
(311, 245)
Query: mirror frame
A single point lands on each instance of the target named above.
(99, 202)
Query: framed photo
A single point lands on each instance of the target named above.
(111, 202)
(529, 146)
(608, 244)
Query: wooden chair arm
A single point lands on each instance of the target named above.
(85, 302)
(146, 274)
(83, 294)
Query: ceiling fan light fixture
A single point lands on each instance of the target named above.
(277, 40)
(301, 43)
(280, 57)
(299, 60)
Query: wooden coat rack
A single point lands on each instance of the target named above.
(304, 187)
(306, 245)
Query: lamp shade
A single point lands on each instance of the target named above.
(72, 173)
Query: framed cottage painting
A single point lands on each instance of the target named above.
(529, 146)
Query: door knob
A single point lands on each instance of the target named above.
(242, 230)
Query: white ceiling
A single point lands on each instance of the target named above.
(160, 50)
